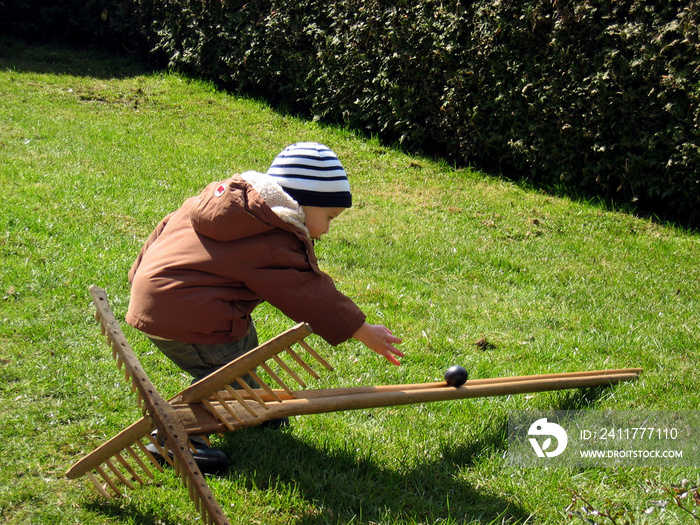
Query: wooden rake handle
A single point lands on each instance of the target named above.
(490, 386)
(356, 398)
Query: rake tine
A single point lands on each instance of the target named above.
(118, 473)
(252, 393)
(182, 472)
(264, 386)
(235, 395)
(291, 372)
(193, 494)
(132, 380)
(98, 485)
(140, 462)
(230, 409)
(315, 354)
(218, 416)
(162, 450)
(150, 457)
(108, 480)
(277, 378)
(129, 468)
(194, 498)
(202, 508)
(166, 455)
(302, 363)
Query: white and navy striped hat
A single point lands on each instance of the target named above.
(312, 175)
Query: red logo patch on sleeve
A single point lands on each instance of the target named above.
(220, 190)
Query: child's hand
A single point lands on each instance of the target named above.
(379, 339)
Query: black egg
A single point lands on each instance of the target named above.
(456, 376)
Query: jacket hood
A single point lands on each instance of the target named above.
(279, 201)
(242, 206)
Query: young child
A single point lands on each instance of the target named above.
(241, 242)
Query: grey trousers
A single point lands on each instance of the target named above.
(200, 360)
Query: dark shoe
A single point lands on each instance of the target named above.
(209, 460)
(275, 424)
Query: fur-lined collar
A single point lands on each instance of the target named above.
(277, 199)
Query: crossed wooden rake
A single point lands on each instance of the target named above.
(223, 402)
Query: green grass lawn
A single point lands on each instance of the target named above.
(94, 150)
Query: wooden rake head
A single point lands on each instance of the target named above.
(124, 459)
(231, 399)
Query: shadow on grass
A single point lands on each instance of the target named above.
(128, 512)
(346, 484)
(582, 399)
(344, 487)
(64, 59)
(342, 484)
(351, 486)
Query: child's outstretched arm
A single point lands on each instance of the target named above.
(379, 339)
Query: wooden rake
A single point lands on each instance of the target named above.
(224, 401)
(124, 459)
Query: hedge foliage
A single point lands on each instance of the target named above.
(597, 96)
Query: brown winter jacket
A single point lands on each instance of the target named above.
(206, 267)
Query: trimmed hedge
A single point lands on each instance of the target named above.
(600, 97)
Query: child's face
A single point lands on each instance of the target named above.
(318, 220)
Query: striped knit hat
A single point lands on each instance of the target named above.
(312, 175)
